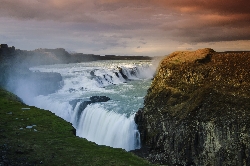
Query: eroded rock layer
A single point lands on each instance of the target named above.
(197, 110)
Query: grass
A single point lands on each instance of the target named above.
(34, 136)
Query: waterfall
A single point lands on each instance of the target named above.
(108, 128)
(108, 123)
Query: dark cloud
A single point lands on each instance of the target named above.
(202, 21)
(45, 10)
(109, 24)
(201, 6)
(209, 21)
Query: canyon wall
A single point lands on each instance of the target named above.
(197, 110)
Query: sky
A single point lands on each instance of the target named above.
(126, 27)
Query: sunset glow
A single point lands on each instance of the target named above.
(125, 27)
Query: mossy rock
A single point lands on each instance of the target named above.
(197, 110)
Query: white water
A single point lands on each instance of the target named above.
(108, 123)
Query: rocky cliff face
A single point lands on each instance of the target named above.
(197, 110)
(16, 77)
(26, 83)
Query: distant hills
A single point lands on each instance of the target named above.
(43, 56)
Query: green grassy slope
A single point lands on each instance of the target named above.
(34, 136)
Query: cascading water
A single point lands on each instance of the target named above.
(108, 122)
(108, 128)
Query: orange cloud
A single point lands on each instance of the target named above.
(190, 21)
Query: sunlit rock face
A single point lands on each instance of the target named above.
(197, 110)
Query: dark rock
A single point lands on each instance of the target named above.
(117, 75)
(71, 90)
(84, 104)
(21, 80)
(99, 99)
(19, 151)
(197, 110)
(73, 131)
(142, 152)
(92, 73)
(93, 99)
(122, 73)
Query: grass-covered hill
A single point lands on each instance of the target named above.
(31, 136)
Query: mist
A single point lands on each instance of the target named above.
(18, 79)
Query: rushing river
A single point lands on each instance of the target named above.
(108, 123)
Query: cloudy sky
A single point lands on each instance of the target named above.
(126, 27)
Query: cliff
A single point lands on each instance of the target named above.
(16, 77)
(197, 110)
(27, 84)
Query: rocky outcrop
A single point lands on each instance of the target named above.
(44, 83)
(92, 99)
(84, 104)
(22, 81)
(197, 110)
(16, 77)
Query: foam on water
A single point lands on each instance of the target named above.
(107, 123)
(61, 108)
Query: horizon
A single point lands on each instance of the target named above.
(126, 28)
(73, 52)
